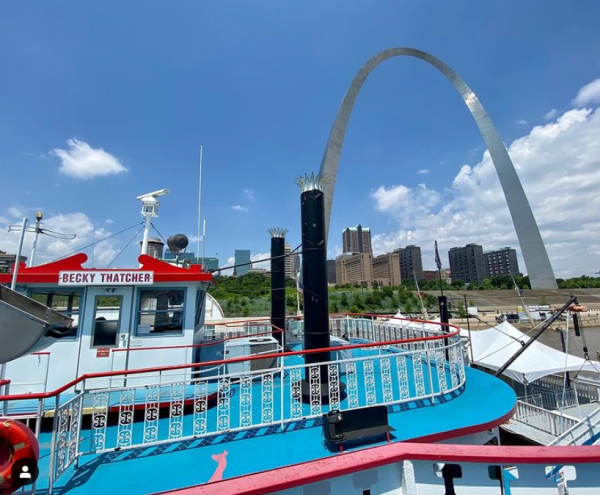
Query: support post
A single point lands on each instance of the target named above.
(314, 274)
(38, 230)
(278, 283)
(13, 284)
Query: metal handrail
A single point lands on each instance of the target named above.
(138, 371)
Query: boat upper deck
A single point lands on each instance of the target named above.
(247, 414)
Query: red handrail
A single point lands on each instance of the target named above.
(139, 371)
(288, 477)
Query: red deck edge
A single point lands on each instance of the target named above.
(351, 462)
(163, 272)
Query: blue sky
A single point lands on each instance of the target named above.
(258, 84)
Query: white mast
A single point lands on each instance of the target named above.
(199, 205)
(13, 285)
(149, 211)
(204, 243)
(38, 217)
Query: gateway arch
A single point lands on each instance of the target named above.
(534, 252)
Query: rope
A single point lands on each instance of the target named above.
(98, 241)
(126, 246)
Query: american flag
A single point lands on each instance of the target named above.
(438, 261)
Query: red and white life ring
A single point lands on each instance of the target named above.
(19, 442)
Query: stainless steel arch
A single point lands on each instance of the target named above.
(533, 249)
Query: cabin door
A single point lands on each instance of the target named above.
(106, 333)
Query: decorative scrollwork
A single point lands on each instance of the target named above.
(315, 390)
(296, 393)
(125, 429)
(352, 385)
(200, 408)
(246, 401)
(223, 404)
(267, 398)
(334, 386)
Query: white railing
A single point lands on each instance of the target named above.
(585, 432)
(541, 419)
(251, 399)
(264, 391)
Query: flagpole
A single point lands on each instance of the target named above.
(199, 205)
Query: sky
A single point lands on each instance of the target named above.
(103, 101)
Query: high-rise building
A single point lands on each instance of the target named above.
(209, 264)
(467, 264)
(386, 269)
(331, 277)
(7, 261)
(501, 261)
(155, 248)
(357, 240)
(292, 262)
(242, 257)
(411, 263)
(355, 269)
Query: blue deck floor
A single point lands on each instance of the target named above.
(141, 471)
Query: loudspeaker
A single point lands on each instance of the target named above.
(355, 424)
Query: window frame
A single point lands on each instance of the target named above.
(138, 313)
(118, 332)
(81, 292)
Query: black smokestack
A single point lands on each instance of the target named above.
(314, 272)
(278, 282)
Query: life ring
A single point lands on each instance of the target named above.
(20, 443)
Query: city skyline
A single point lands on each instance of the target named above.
(92, 126)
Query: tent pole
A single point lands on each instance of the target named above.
(547, 323)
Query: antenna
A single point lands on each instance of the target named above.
(37, 230)
(199, 205)
(150, 211)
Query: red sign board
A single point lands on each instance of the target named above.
(102, 353)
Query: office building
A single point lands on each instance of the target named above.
(242, 257)
(501, 261)
(292, 262)
(433, 275)
(467, 264)
(357, 240)
(355, 269)
(331, 277)
(209, 264)
(7, 261)
(386, 269)
(411, 263)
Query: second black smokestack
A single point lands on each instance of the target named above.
(278, 282)
(314, 273)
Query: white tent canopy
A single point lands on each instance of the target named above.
(494, 347)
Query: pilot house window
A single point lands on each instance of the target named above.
(160, 311)
(63, 301)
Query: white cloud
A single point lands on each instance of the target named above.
(249, 194)
(423, 171)
(239, 208)
(521, 122)
(109, 221)
(50, 248)
(551, 114)
(261, 256)
(81, 161)
(16, 212)
(559, 166)
(590, 93)
(404, 200)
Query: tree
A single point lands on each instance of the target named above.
(344, 300)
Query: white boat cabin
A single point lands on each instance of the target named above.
(122, 319)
